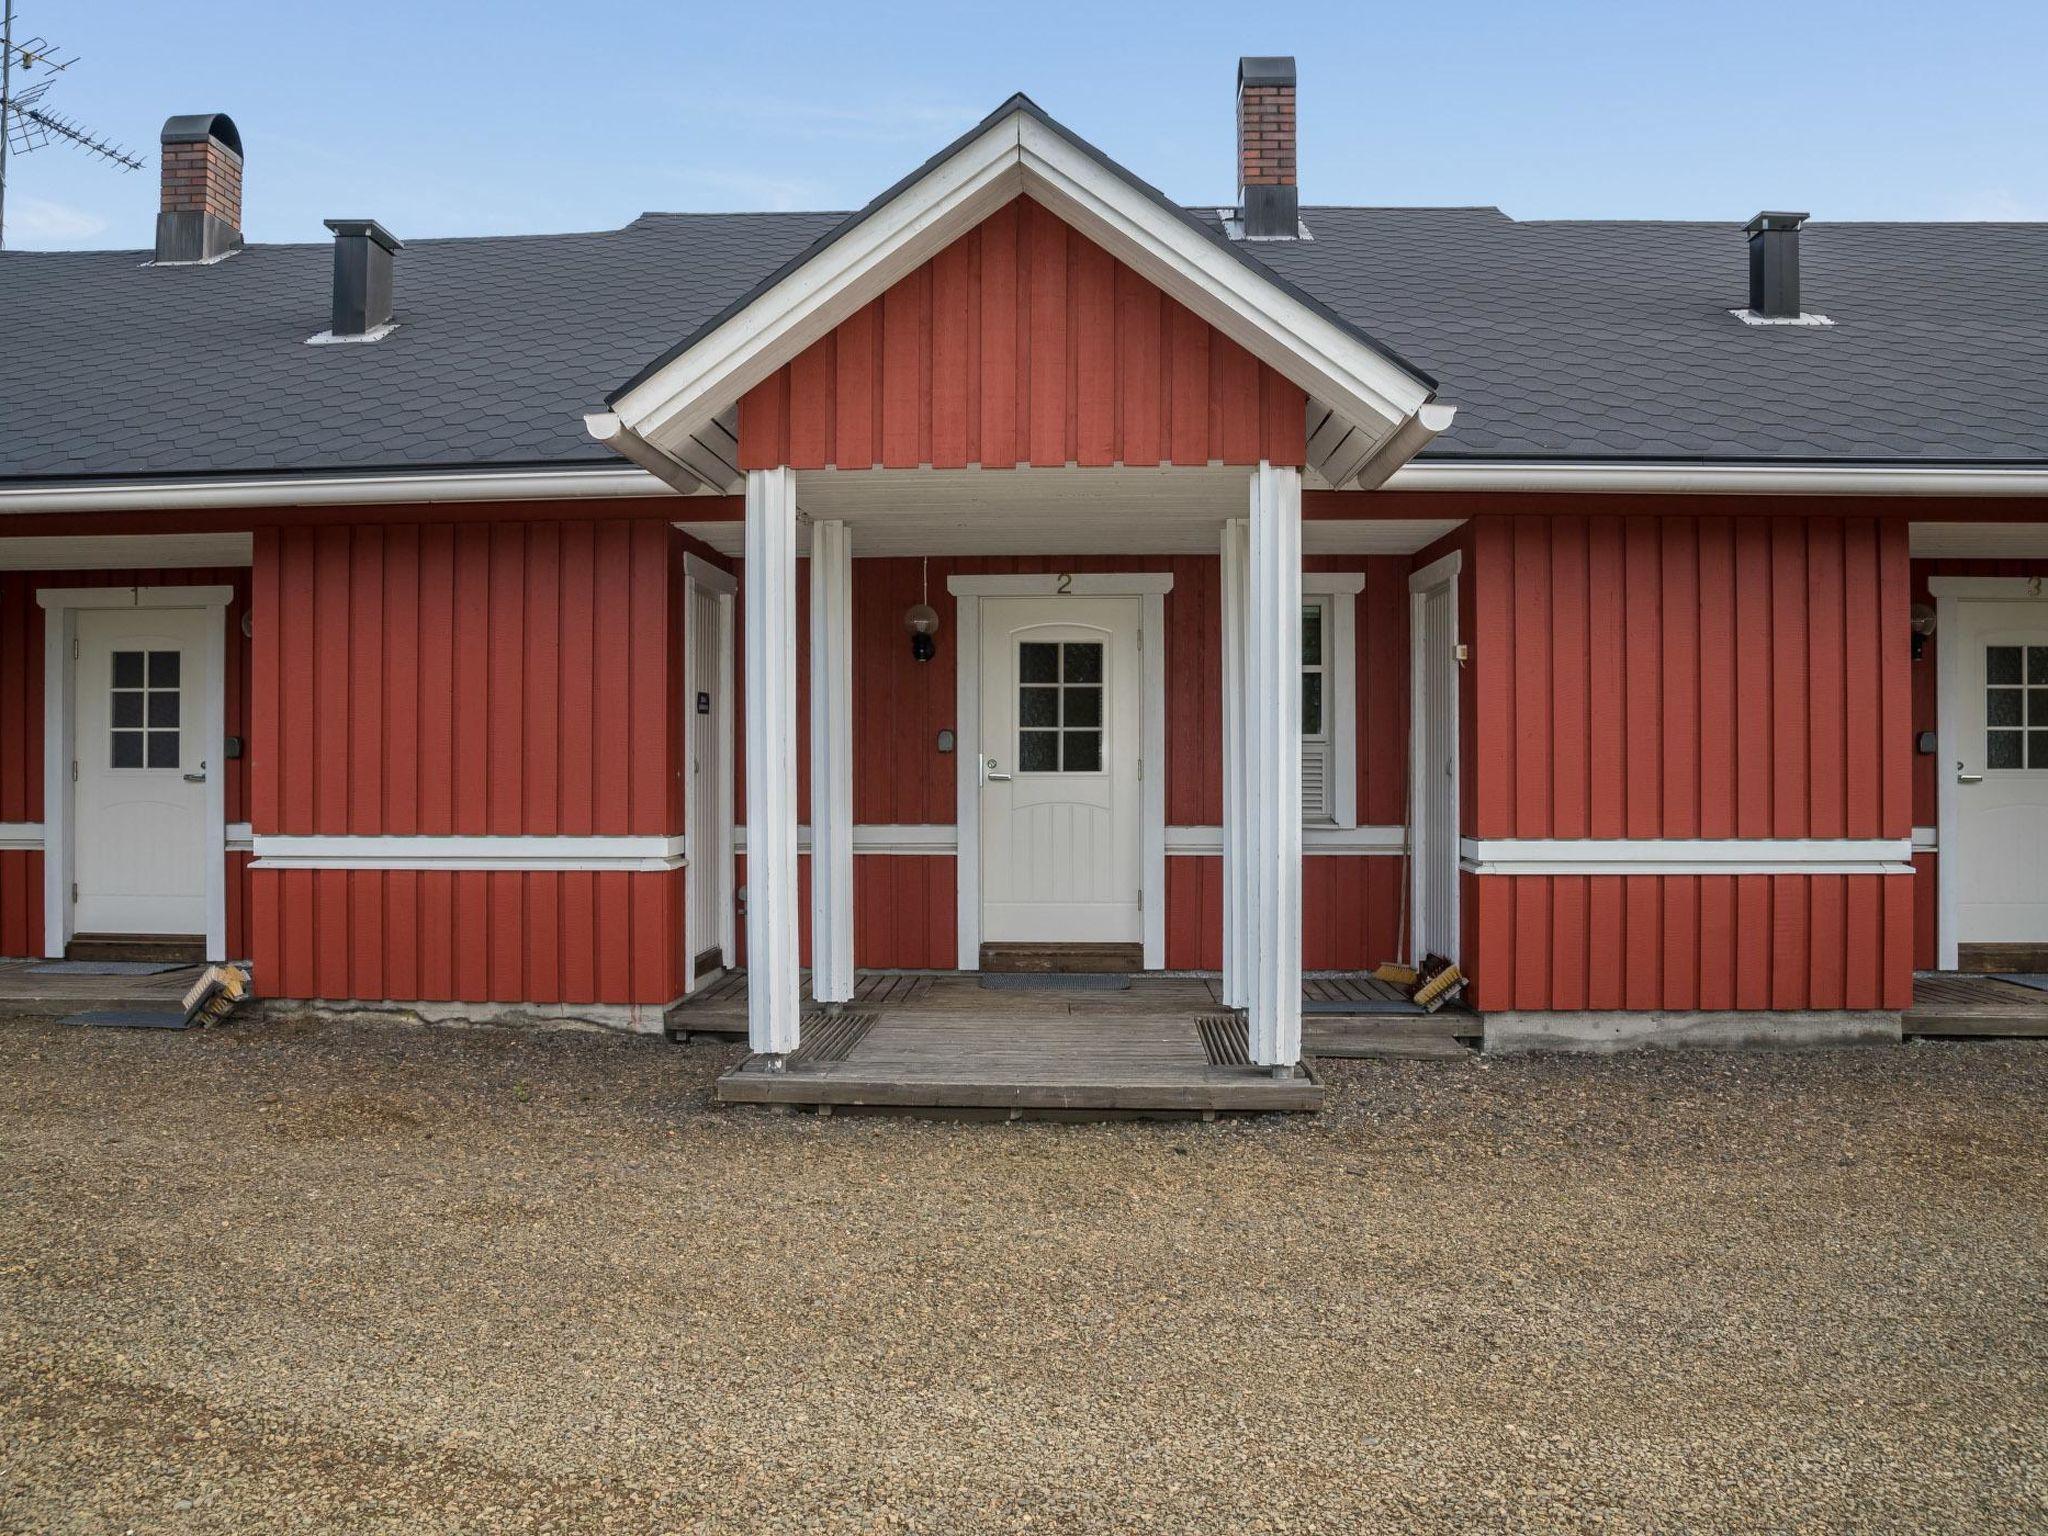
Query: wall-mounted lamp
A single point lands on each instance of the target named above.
(922, 620)
(1923, 626)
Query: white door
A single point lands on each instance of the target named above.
(709, 803)
(1996, 853)
(1433, 760)
(1061, 716)
(140, 814)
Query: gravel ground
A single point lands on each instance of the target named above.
(290, 1276)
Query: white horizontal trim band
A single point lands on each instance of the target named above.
(333, 490)
(1926, 839)
(1725, 479)
(133, 495)
(1686, 856)
(878, 838)
(27, 837)
(631, 854)
(21, 837)
(1314, 839)
(935, 839)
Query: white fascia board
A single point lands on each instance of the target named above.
(596, 480)
(606, 427)
(1723, 479)
(1019, 154)
(809, 301)
(475, 853)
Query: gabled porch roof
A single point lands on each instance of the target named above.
(1369, 409)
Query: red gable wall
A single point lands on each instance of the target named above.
(1022, 343)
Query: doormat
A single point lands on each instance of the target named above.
(1053, 981)
(2034, 979)
(131, 1018)
(108, 967)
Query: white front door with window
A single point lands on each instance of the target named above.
(1994, 854)
(141, 809)
(1061, 818)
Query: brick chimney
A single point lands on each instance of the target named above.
(200, 218)
(1266, 192)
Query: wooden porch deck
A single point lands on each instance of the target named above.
(1975, 1005)
(947, 1043)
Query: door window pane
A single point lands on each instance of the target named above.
(144, 711)
(1038, 662)
(1060, 706)
(1311, 703)
(1038, 706)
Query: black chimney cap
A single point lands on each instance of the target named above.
(198, 127)
(365, 228)
(1265, 69)
(1775, 221)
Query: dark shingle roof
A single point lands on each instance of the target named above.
(1576, 340)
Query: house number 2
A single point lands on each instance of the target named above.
(1066, 584)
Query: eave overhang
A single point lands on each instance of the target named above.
(1367, 405)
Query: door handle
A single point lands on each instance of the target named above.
(1969, 778)
(989, 774)
(197, 778)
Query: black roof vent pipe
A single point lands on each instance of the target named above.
(1774, 265)
(362, 280)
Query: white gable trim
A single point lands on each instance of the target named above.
(1019, 154)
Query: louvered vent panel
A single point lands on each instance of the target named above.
(1315, 781)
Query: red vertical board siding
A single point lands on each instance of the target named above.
(516, 679)
(1022, 343)
(1693, 677)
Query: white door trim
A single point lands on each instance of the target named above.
(60, 633)
(1152, 587)
(1443, 573)
(705, 582)
(1950, 593)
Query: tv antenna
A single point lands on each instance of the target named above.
(26, 125)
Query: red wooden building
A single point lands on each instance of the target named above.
(1646, 616)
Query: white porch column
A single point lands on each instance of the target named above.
(1236, 957)
(1272, 781)
(831, 763)
(773, 980)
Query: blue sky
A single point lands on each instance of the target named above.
(449, 117)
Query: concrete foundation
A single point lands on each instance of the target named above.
(1513, 1033)
(618, 1018)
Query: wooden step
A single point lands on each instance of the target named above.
(171, 948)
(1407, 1045)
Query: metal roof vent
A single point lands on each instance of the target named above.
(1774, 272)
(362, 281)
